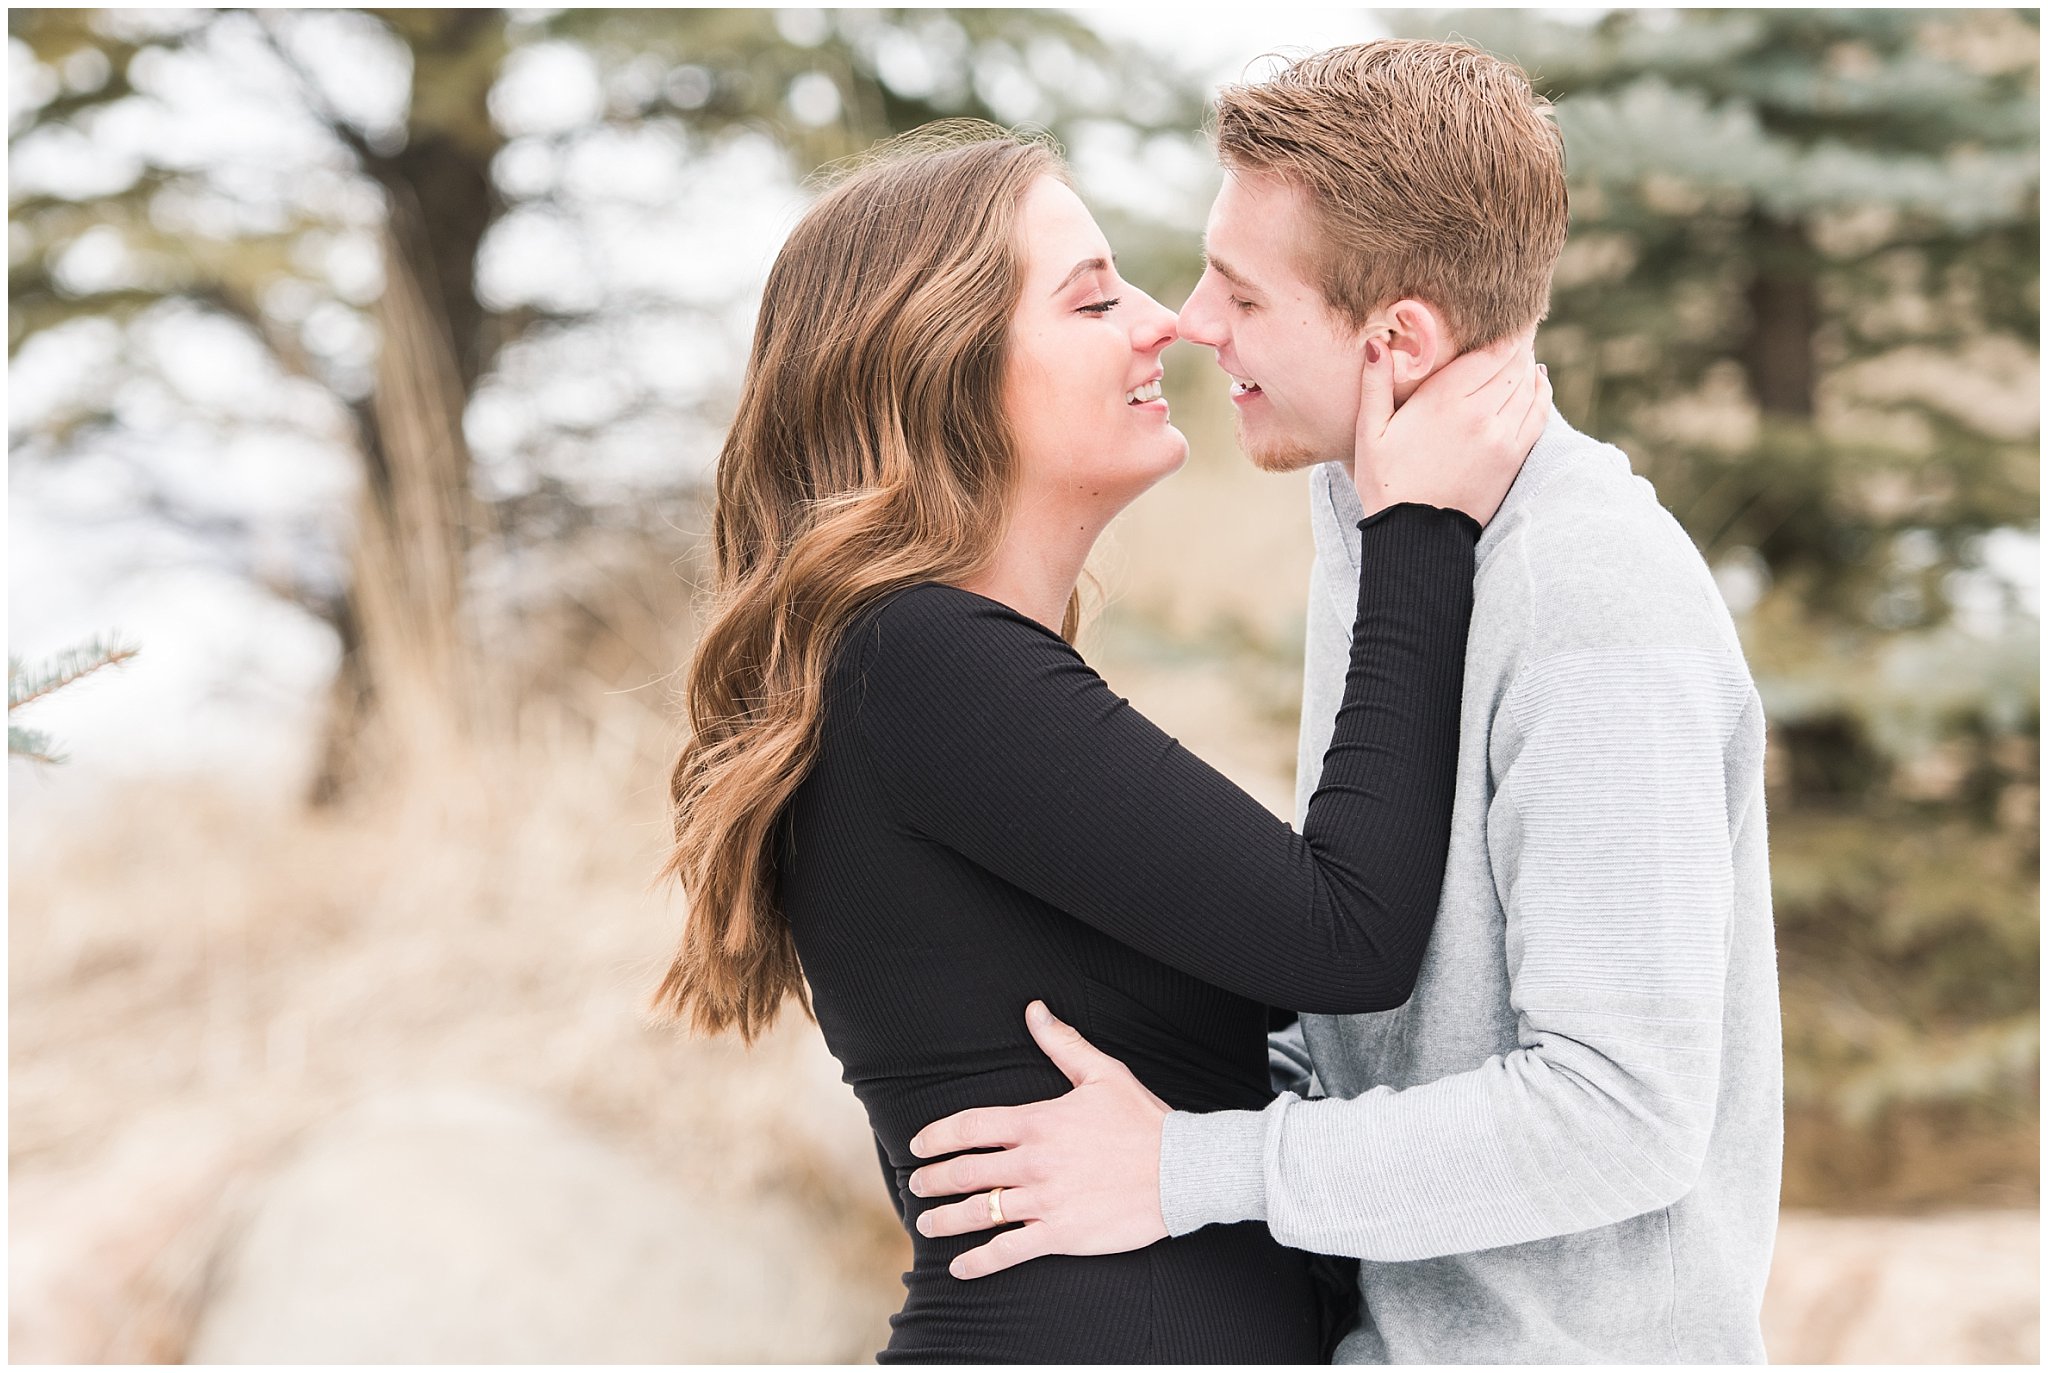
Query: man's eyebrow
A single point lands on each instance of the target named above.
(1224, 270)
(1082, 268)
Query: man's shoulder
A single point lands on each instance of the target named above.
(1602, 520)
(1592, 559)
(1592, 498)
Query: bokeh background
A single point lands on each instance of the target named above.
(367, 369)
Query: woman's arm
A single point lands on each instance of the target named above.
(998, 741)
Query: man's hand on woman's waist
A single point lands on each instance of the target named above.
(1078, 1174)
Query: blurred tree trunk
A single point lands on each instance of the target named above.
(411, 683)
(1784, 310)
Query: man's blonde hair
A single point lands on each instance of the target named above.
(1435, 172)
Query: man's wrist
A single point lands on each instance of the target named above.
(1212, 1169)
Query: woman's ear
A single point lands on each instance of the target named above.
(1415, 333)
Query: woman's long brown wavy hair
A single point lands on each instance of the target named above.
(869, 452)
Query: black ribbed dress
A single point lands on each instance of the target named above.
(987, 822)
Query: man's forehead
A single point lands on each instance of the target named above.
(1248, 239)
(1223, 235)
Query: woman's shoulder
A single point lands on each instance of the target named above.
(929, 635)
(923, 611)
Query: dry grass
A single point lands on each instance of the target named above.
(200, 961)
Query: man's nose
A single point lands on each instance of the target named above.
(1197, 322)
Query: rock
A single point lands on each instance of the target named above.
(457, 1225)
(1963, 1287)
(107, 1261)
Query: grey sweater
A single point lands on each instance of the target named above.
(1565, 1147)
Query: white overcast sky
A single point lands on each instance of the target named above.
(1217, 41)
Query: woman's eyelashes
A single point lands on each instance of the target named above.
(1102, 307)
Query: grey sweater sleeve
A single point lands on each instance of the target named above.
(1611, 848)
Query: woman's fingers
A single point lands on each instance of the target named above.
(1520, 379)
(1517, 362)
(1538, 413)
(1472, 372)
(1375, 397)
(1460, 439)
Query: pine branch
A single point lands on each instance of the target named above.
(25, 685)
(31, 744)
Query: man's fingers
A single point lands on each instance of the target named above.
(967, 1173)
(984, 1127)
(971, 1214)
(1062, 1043)
(1007, 1250)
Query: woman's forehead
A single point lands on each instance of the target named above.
(1058, 231)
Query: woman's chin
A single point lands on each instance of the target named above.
(1180, 460)
(1176, 443)
(1136, 473)
(1172, 456)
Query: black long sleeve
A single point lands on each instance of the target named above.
(986, 822)
(996, 740)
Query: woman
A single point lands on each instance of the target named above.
(904, 786)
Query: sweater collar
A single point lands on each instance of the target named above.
(1338, 509)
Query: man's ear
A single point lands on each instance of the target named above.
(1420, 343)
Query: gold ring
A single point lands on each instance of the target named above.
(995, 1206)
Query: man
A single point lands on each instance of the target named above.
(1566, 1145)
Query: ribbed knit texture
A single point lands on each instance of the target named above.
(987, 822)
(1566, 1146)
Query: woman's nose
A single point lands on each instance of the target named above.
(1160, 328)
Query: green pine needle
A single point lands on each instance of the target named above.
(25, 684)
(31, 744)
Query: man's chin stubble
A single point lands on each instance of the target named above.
(1279, 455)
